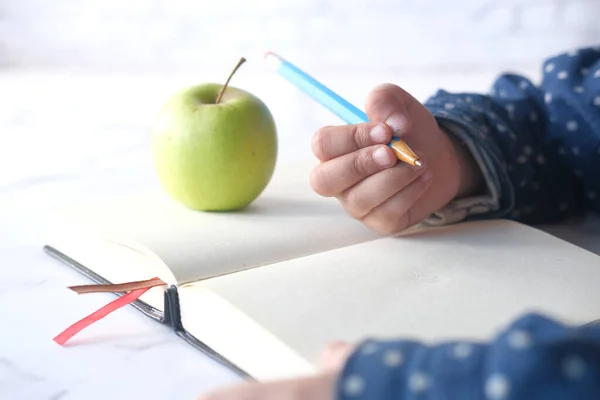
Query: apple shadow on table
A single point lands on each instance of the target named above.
(280, 206)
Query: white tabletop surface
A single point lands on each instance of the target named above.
(70, 139)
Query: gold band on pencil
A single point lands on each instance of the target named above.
(405, 154)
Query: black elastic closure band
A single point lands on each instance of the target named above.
(172, 313)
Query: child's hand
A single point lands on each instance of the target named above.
(317, 387)
(364, 175)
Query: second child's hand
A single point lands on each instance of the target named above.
(318, 387)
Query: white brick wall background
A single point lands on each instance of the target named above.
(106, 65)
(421, 44)
(340, 34)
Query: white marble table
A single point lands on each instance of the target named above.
(70, 139)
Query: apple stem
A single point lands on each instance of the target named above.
(239, 64)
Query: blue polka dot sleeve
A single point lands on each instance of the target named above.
(535, 358)
(538, 147)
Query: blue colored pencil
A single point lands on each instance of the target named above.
(333, 102)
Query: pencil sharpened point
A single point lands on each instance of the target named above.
(418, 163)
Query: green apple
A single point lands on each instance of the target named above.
(214, 146)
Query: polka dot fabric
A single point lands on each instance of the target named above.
(538, 147)
(536, 358)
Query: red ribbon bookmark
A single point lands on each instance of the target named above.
(114, 305)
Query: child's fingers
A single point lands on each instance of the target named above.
(390, 104)
(333, 141)
(317, 387)
(334, 176)
(362, 198)
(394, 215)
(334, 356)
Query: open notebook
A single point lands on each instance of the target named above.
(265, 289)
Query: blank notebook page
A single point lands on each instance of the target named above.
(464, 280)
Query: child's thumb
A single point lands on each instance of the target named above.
(390, 104)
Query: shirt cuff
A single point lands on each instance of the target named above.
(474, 206)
